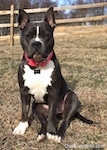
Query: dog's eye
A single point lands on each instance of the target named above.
(28, 35)
(47, 34)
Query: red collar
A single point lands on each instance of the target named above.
(33, 63)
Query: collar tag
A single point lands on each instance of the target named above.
(37, 70)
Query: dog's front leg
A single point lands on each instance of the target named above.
(52, 126)
(23, 124)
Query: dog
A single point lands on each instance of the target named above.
(39, 76)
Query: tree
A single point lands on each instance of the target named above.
(43, 3)
(77, 13)
(24, 4)
(96, 11)
(5, 4)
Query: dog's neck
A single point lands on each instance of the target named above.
(33, 63)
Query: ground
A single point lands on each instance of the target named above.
(82, 53)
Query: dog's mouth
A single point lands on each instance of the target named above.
(38, 57)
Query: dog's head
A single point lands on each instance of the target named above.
(37, 37)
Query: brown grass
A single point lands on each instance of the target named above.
(82, 52)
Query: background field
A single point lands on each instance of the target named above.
(82, 53)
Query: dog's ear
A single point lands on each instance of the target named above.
(23, 18)
(50, 18)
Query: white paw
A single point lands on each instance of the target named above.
(40, 137)
(54, 138)
(21, 128)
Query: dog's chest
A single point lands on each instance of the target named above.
(37, 83)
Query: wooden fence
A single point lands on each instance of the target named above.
(13, 12)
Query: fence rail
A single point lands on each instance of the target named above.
(13, 12)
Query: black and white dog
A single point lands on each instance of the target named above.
(40, 77)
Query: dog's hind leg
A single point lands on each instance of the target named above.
(40, 111)
(71, 106)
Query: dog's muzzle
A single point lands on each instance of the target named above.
(33, 63)
(36, 45)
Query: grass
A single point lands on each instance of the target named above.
(82, 53)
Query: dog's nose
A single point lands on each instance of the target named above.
(36, 44)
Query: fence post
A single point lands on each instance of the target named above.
(12, 26)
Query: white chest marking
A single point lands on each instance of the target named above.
(37, 83)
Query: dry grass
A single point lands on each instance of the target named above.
(82, 52)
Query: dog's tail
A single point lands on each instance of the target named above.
(83, 119)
